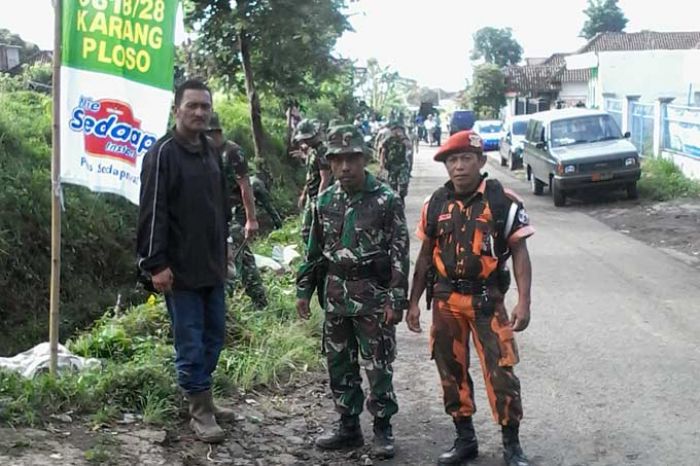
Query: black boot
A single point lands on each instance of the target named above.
(512, 452)
(465, 446)
(383, 443)
(347, 434)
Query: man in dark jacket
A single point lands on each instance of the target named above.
(182, 245)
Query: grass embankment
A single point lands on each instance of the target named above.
(138, 376)
(662, 180)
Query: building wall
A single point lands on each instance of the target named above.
(689, 166)
(572, 93)
(650, 74)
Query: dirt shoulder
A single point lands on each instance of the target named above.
(275, 428)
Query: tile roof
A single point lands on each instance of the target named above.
(531, 80)
(644, 40)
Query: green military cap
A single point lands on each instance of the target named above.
(345, 139)
(214, 123)
(306, 129)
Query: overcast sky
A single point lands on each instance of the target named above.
(430, 40)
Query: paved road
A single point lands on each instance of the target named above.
(610, 366)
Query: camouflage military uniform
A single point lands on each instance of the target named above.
(263, 198)
(242, 263)
(362, 239)
(474, 256)
(315, 162)
(398, 162)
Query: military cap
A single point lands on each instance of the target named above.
(345, 139)
(460, 142)
(306, 129)
(214, 123)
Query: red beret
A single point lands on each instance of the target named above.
(463, 141)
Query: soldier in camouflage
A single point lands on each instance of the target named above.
(264, 200)
(308, 137)
(358, 254)
(245, 223)
(396, 159)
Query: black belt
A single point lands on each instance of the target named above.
(467, 286)
(353, 272)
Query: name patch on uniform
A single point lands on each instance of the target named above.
(444, 217)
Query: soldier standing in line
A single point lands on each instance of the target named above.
(470, 228)
(244, 224)
(396, 159)
(318, 173)
(357, 253)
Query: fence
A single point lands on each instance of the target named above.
(614, 108)
(641, 126)
(681, 130)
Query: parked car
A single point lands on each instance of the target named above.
(461, 120)
(490, 132)
(513, 141)
(575, 149)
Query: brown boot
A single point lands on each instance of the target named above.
(224, 414)
(202, 421)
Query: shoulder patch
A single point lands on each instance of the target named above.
(523, 217)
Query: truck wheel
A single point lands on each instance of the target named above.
(632, 192)
(537, 185)
(558, 195)
(512, 163)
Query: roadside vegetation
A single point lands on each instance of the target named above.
(137, 375)
(662, 180)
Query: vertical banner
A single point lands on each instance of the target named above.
(116, 89)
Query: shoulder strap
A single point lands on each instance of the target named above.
(499, 204)
(435, 205)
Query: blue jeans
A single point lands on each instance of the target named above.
(198, 320)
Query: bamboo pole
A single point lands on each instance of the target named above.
(56, 192)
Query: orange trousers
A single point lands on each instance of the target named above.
(453, 320)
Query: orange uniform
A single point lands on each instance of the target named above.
(472, 235)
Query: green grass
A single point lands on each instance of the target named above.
(138, 376)
(662, 180)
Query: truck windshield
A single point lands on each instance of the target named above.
(519, 128)
(586, 129)
(490, 128)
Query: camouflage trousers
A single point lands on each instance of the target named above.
(453, 320)
(351, 342)
(399, 182)
(264, 200)
(307, 218)
(243, 266)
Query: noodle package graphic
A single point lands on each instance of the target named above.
(111, 130)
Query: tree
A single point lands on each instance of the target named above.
(280, 46)
(381, 88)
(603, 16)
(424, 94)
(497, 46)
(487, 92)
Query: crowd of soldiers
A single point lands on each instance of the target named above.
(356, 261)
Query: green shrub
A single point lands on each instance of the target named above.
(662, 180)
(98, 229)
(138, 369)
(98, 233)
